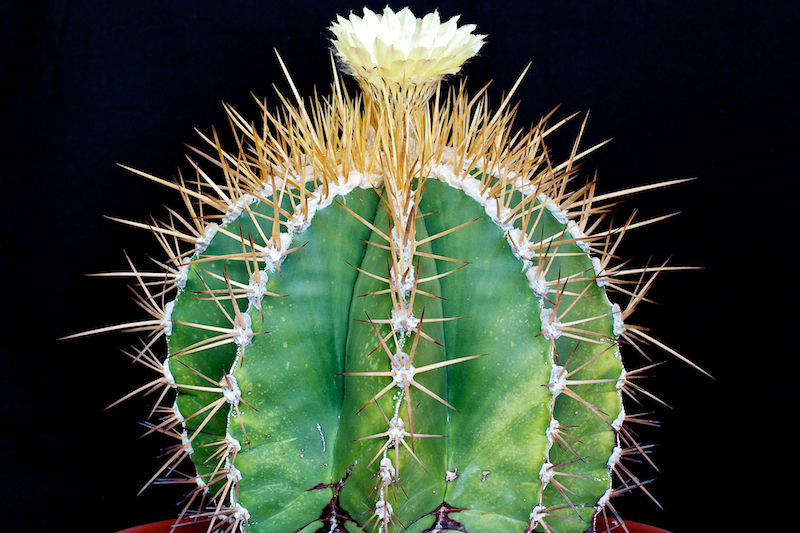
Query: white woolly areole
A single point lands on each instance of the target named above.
(240, 514)
(404, 321)
(273, 256)
(615, 455)
(182, 275)
(554, 208)
(443, 172)
(461, 180)
(549, 331)
(546, 473)
(528, 186)
(617, 423)
(166, 322)
(255, 290)
(537, 514)
(515, 237)
(558, 380)
(316, 200)
(265, 190)
(604, 499)
(621, 381)
(538, 285)
(500, 215)
(204, 240)
(458, 178)
(599, 272)
(402, 357)
(386, 471)
(186, 444)
(341, 187)
(396, 431)
(580, 238)
(619, 325)
(552, 430)
(520, 246)
(233, 444)
(233, 473)
(243, 333)
(177, 412)
(405, 247)
(404, 287)
(168, 373)
(286, 242)
(356, 179)
(472, 187)
(300, 222)
(235, 210)
(230, 389)
(383, 509)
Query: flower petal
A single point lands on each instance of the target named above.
(401, 47)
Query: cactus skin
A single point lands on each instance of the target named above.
(291, 376)
(513, 420)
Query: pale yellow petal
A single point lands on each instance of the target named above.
(401, 47)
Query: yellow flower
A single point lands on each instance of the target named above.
(402, 48)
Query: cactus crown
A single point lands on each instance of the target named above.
(391, 310)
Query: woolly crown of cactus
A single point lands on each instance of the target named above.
(386, 312)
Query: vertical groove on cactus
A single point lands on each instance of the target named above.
(392, 313)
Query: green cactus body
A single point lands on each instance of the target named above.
(390, 313)
(300, 414)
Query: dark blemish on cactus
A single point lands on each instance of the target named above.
(443, 521)
(484, 475)
(333, 516)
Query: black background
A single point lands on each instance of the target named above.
(701, 89)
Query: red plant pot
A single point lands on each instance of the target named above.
(165, 526)
(603, 525)
(611, 525)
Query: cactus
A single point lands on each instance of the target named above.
(390, 310)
